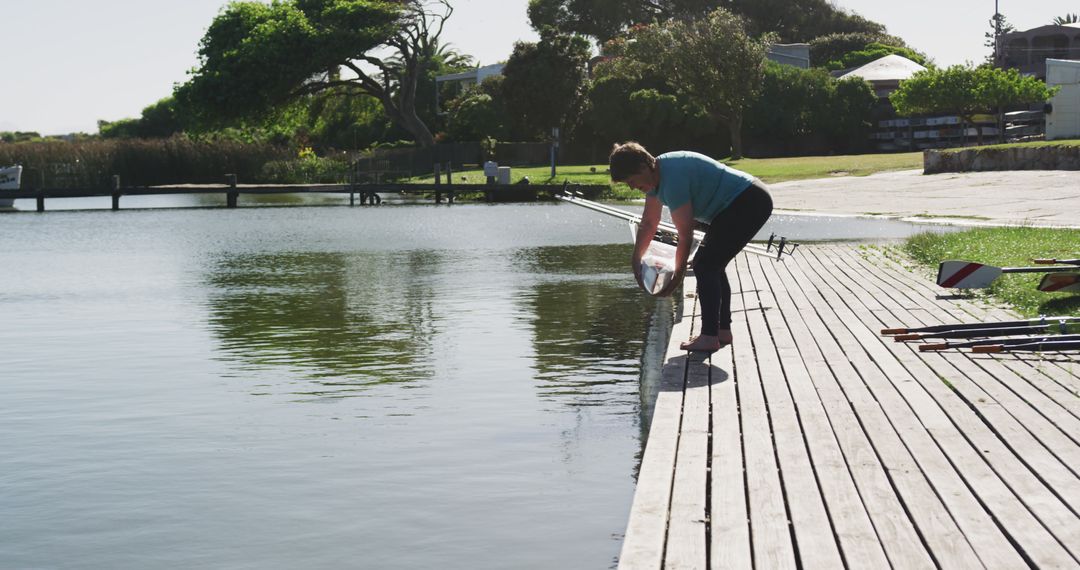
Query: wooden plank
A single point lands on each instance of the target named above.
(1064, 372)
(1023, 416)
(814, 533)
(898, 496)
(687, 540)
(1001, 482)
(646, 531)
(771, 537)
(729, 520)
(803, 365)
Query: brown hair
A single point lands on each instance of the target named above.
(627, 159)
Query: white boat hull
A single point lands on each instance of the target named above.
(9, 180)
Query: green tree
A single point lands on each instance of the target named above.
(1000, 89)
(934, 91)
(544, 83)
(872, 52)
(256, 57)
(791, 20)
(157, 121)
(966, 91)
(479, 113)
(1066, 19)
(820, 113)
(998, 26)
(713, 63)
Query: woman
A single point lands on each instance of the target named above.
(696, 189)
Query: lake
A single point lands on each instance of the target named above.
(399, 386)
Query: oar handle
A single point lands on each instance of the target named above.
(1043, 261)
(988, 348)
(938, 346)
(887, 332)
(907, 337)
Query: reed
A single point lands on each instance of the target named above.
(141, 162)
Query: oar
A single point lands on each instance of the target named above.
(984, 332)
(783, 246)
(665, 226)
(1053, 261)
(1060, 283)
(1038, 346)
(999, 324)
(970, 275)
(1002, 341)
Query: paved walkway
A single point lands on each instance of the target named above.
(1035, 197)
(814, 442)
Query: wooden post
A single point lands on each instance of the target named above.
(438, 182)
(232, 194)
(116, 192)
(449, 182)
(39, 188)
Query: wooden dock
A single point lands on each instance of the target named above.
(814, 442)
(367, 193)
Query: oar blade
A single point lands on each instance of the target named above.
(1060, 283)
(966, 275)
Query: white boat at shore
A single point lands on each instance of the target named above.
(9, 180)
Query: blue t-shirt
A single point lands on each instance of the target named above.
(692, 177)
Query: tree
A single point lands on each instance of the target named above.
(1066, 19)
(998, 26)
(791, 20)
(712, 62)
(966, 91)
(835, 46)
(544, 83)
(256, 57)
(158, 120)
(820, 113)
(1000, 89)
(934, 91)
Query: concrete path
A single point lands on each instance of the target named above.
(1034, 197)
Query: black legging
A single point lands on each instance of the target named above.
(728, 234)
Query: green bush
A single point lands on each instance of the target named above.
(806, 111)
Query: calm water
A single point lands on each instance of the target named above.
(317, 387)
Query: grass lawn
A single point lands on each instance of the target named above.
(767, 169)
(1007, 247)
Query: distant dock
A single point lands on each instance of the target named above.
(362, 193)
(814, 442)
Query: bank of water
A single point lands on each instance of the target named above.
(384, 387)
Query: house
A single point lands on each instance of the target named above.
(886, 73)
(455, 83)
(1029, 50)
(797, 55)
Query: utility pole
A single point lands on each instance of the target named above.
(997, 35)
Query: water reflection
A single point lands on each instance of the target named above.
(588, 322)
(344, 321)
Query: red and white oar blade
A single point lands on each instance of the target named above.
(1060, 283)
(966, 275)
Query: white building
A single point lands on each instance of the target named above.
(463, 80)
(1063, 120)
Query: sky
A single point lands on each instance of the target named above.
(70, 63)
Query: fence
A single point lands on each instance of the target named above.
(394, 163)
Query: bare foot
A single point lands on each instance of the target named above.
(703, 343)
(708, 343)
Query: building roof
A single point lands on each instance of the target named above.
(889, 68)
